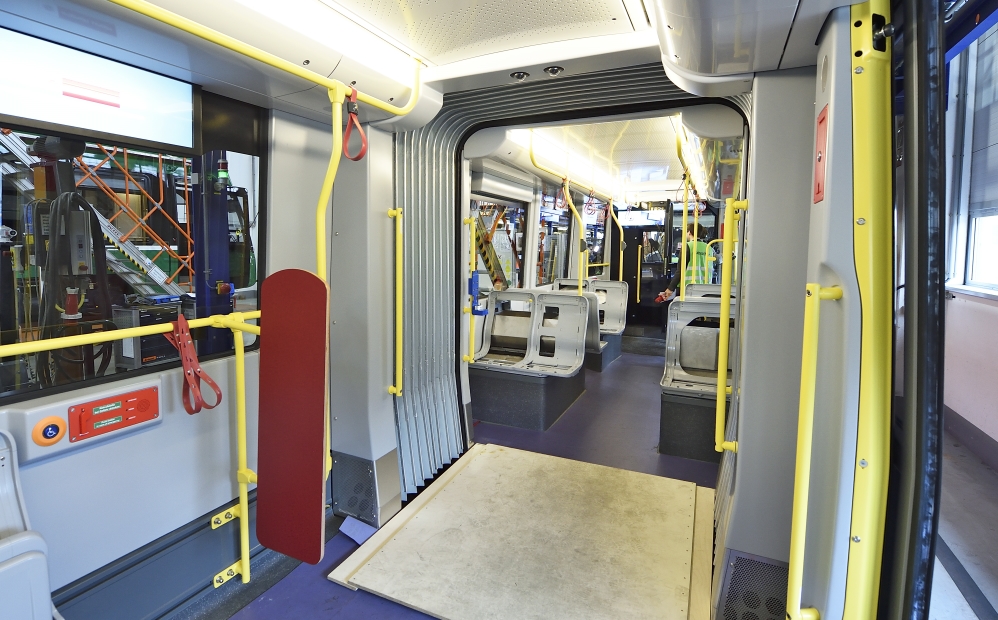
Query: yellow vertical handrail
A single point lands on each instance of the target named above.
(243, 473)
(620, 229)
(396, 214)
(473, 270)
(682, 247)
(873, 223)
(815, 293)
(641, 259)
(583, 267)
(696, 243)
(724, 331)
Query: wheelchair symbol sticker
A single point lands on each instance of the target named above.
(50, 431)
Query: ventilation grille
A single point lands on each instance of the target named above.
(756, 589)
(353, 488)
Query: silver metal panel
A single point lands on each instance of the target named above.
(368, 490)
(836, 409)
(772, 311)
(428, 411)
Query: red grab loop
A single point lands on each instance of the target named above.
(352, 110)
(193, 374)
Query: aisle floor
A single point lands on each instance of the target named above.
(615, 423)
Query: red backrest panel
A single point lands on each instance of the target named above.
(294, 363)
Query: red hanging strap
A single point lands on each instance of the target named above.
(193, 374)
(352, 110)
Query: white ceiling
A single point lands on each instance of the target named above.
(445, 31)
(639, 153)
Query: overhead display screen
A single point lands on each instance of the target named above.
(54, 84)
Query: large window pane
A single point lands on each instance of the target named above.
(102, 237)
(984, 251)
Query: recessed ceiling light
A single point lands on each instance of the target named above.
(519, 76)
(553, 70)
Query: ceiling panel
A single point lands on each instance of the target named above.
(641, 150)
(444, 31)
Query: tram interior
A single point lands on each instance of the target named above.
(620, 310)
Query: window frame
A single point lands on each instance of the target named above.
(263, 153)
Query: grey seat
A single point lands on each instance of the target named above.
(691, 351)
(532, 332)
(612, 305)
(24, 575)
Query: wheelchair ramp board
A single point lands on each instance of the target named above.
(506, 533)
(292, 455)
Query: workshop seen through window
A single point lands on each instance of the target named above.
(100, 236)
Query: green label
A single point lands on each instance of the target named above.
(107, 422)
(106, 408)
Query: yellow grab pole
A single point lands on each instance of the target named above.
(583, 255)
(399, 280)
(208, 34)
(243, 474)
(337, 95)
(696, 242)
(641, 259)
(873, 222)
(473, 270)
(805, 428)
(724, 333)
(620, 229)
(682, 235)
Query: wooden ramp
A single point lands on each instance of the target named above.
(505, 533)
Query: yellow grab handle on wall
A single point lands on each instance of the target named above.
(396, 214)
(724, 332)
(805, 428)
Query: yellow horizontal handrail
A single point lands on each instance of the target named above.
(223, 321)
(209, 34)
(724, 333)
(805, 430)
(236, 322)
(337, 92)
(598, 265)
(396, 214)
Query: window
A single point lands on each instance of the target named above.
(972, 170)
(983, 266)
(500, 234)
(552, 243)
(100, 236)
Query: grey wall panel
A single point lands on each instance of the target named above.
(772, 311)
(830, 262)
(101, 501)
(299, 152)
(361, 305)
(428, 411)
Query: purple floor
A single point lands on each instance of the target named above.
(615, 423)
